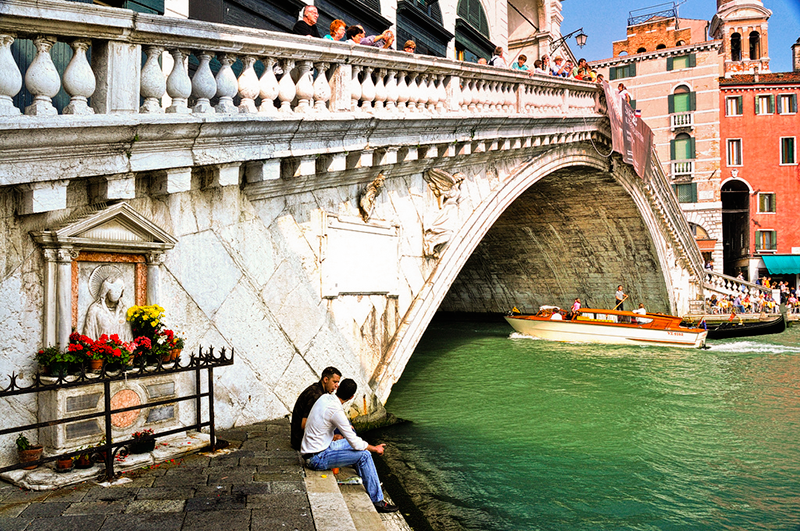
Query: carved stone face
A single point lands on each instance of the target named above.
(115, 289)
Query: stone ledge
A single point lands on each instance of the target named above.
(46, 478)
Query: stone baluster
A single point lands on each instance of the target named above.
(322, 88)
(204, 86)
(380, 89)
(481, 104)
(355, 88)
(442, 93)
(304, 90)
(466, 96)
(474, 92)
(268, 85)
(179, 86)
(367, 90)
(42, 79)
(79, 81)
(433, 93)
(422, 92)
(10, 77)
(153, 84)
(402, 91)
(510, 97)
(248, 86)
(413, 91)
(227, 85)
(392, 92)
(286, 87)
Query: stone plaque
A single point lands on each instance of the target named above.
(76, 430)
(157, 414)
(125, 398)
(161, 390)
(81, 402)
(360, 258)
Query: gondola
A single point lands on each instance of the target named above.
(729, 329)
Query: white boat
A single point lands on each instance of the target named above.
(614, 327)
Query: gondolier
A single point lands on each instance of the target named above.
(620, 296)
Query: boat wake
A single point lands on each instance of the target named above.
(750, 347)
(517, 335)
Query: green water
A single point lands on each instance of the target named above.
(511, 433)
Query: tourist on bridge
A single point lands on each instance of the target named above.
(321, 452)
(497, 59)
(519, 64)
(327, 384)
(338, 28)
(410, 47)
(355, 34)
(308, 24)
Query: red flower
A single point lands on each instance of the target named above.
(74, 336)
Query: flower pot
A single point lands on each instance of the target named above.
(143, 445)
(34, 453)
(64, 465)
(175, 353)
(95, 365)
(84, 461)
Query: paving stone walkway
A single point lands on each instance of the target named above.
(258, 486)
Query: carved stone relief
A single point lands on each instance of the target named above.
(366, 202)
(446, 188)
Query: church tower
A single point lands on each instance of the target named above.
(742, 27)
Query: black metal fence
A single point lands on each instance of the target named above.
(108, 450)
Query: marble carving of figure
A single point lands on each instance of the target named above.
(107, 314)
(367, 200)
(447, 189)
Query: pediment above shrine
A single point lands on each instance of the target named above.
(117, 228)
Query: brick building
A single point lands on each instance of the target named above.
(672, 67)
(759, 130)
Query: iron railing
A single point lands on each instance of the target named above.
(202, 361)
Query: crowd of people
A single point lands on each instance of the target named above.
(558, 67)
(761, 302)
(339, 31)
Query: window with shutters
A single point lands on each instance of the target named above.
(766, 202)
(734, 151)
(620, 72)
(788, 151)
(766, 240)
(765, 104)
(682, 100)
(686, 193)
(682, 61)
(787, 103)
(682, 147)
(733, 106)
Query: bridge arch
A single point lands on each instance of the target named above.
(554, 164)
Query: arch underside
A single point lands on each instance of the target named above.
(561, 226)
(574, 233)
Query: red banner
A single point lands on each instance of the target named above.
(630, 136)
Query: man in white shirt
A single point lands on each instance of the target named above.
(321, 452)
(641, 311)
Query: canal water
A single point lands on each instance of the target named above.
(506, 432)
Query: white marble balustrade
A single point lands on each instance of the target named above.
(254, 72)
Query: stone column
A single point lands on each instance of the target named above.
(64, 257)
(154, 261)
(50, 306)
(117, 67)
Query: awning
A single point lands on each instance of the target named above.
(706, 245)
(782, 264)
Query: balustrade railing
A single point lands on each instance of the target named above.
(682, 168)
(224, 70)
(726, 285)
(684, 119)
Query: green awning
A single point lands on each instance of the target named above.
(782, 264)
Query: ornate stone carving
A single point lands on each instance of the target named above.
(106, 315)
(446, 188)
(366, 202)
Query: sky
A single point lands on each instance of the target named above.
(605, 21)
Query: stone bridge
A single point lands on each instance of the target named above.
(306, 202)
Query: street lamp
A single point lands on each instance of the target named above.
(580, 38)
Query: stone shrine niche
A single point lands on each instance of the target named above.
(97, 265)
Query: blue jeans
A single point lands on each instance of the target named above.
(340, 454)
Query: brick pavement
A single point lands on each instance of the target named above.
(258, 486)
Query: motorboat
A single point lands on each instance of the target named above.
(614, 327)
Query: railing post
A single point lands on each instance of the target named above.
(107, 417)
(211, 408)
(117, 68)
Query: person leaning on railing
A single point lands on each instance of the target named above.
(338, 28)
(384, 40)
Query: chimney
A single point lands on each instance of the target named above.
(796, 56)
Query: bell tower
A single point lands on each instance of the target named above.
(742, 27)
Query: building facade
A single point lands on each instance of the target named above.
(672, 68)
(759, 131)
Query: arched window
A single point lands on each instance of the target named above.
(472, 32)
(623, 52)
(661, 46)
(681, 100)
(736, 47)
(679, 43)
(641, 50)
(682, 147)
(755, 45)
(699, 232)
(472, 12)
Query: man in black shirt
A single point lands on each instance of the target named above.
(328, 383)
(308, 24)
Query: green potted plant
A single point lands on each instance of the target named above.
(55, 362)
(28, 452)
(112, 351)
(64, 464)
(84, 460)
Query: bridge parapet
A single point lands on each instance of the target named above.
(222, 91)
